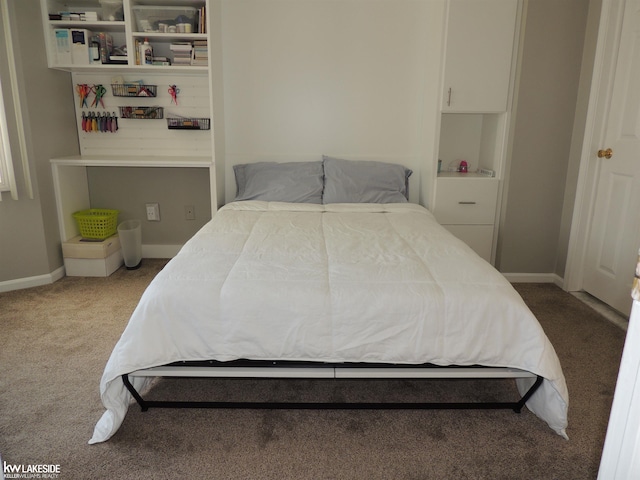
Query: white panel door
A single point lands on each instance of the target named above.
(614, 236)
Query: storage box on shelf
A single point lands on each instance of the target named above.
(165, 19)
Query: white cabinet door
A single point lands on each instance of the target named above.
(479, 50)
(478, 237)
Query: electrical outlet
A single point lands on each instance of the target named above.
(153, 212)
(189, 212)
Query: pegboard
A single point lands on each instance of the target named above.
(147, 137)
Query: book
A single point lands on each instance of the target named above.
(118, 59)
(62, 38)
(181, 53)
(201, 20)
(80, 46)
(200, 56)
(181, 47)
(89, 16)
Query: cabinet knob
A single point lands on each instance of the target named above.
(449, 98)
(608, 153)
(467, 203)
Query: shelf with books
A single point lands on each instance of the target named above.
(73, 33)
(74, 29)
(173, 51)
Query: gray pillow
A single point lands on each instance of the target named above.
(364, 181)
(299, 182)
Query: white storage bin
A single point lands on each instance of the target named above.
(148, 17)
(91, 259)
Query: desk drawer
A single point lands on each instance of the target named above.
(466, 201)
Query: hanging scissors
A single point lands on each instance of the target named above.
(83, 93)
(174, 91)
(100, 92)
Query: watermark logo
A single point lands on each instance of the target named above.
(30, 471)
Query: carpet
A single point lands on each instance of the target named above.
(55, 341)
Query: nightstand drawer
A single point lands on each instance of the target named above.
(467, 201)
(478, 237)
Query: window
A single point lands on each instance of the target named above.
(7, 181)
(7, 178)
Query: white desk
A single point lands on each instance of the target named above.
(72, 187)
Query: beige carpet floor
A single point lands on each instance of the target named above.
(56, 339)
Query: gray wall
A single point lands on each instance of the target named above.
(544, 120)
(128, 189)
(534, 228)
(29, 236)
(584, 88)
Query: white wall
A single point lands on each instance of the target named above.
(303, 78)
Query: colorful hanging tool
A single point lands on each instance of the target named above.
(99, 91)
(99, 122)
(174, 91)
(83, 92)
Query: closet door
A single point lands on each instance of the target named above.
(479, 49)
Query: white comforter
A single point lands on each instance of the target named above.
(336, 283)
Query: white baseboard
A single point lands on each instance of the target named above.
(28, 282)
(535, 278)
(160, 251)
(148, 251)
(170, 251)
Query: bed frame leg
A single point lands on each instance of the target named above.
(527, 395)
(143, 404)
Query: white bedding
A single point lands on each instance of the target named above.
(336, 283)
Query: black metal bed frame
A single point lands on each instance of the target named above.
(266, 369)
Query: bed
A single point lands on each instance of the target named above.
(312, 276)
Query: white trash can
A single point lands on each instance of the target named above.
(130, 233)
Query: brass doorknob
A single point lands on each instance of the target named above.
(608, 153)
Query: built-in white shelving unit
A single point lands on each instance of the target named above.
(477, 83)
(143, 137)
